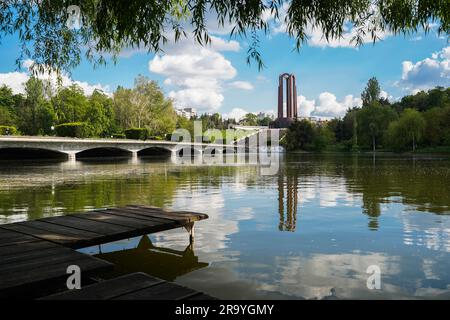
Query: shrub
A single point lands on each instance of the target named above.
(137, 133)
(156, 138)
(8, 131)
(73, 130)
(118, 136)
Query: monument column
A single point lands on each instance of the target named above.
(280, 97)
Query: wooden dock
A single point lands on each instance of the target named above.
(34, 255)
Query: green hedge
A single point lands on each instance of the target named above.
(137, 133)
(118, 136)
(8, 131)
(73, 129)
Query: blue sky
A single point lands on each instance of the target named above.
(330, 76)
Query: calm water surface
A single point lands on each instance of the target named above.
(314, 227)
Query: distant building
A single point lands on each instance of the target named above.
(263, 115)
(315, 120)
(186, 112)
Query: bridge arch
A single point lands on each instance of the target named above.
(182, 151)
(155, 151)
(27, 153)
(102, 152)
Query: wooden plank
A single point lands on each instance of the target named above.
(182, 213)
(109, 289)
(29, 255)
(63, 239)
(97, 227)
(9, 237)
(57, 229)
(127, 212)
(62, 255)
(19, 248)
(164, 291)
(149, 212)
(32, 282)
(116, 220)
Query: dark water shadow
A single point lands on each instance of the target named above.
(163, 263)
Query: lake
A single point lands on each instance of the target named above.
(309, 232)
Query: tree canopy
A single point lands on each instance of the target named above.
(107, 26)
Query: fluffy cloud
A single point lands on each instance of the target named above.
(244, 85)
(197, 73)
(16, 80)
(427, 73)
(236, 114)
(326, 105)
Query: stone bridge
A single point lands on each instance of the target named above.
(72, 147)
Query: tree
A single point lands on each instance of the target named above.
(371, 93)
(250, 119)
(122, 107)
(144, 106)
(35, 115)
(70, 104)
(7, 102)
(373, 121)
(100, 114)
(109, 26)
(409, 129)
(413, 124)
(300, 136)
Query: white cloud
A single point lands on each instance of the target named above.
(326, 105)
(244, 85)
(197, 73)
(427, 73)
(305, 107)
(236, 114)
(16, 80)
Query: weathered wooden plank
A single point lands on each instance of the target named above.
(116, 220)
(20, 248)
(127, 212)
(98, 227)
(58, 229)
(50, 236)
(109, 289)
(29, 255)
(33, 282)
(62, 255)
(181, 218)
(164, 291)
(9, 237)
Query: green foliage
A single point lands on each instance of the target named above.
(371, 93)
(8, 131)
(137, 133)
(73, 130)
(109, 26)
(71, 104)
(7, 103)
(100, 114)
(118, 136)
(373, 121)
(144, 106)
(300, 136)
(438, 97)
(250, 119)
